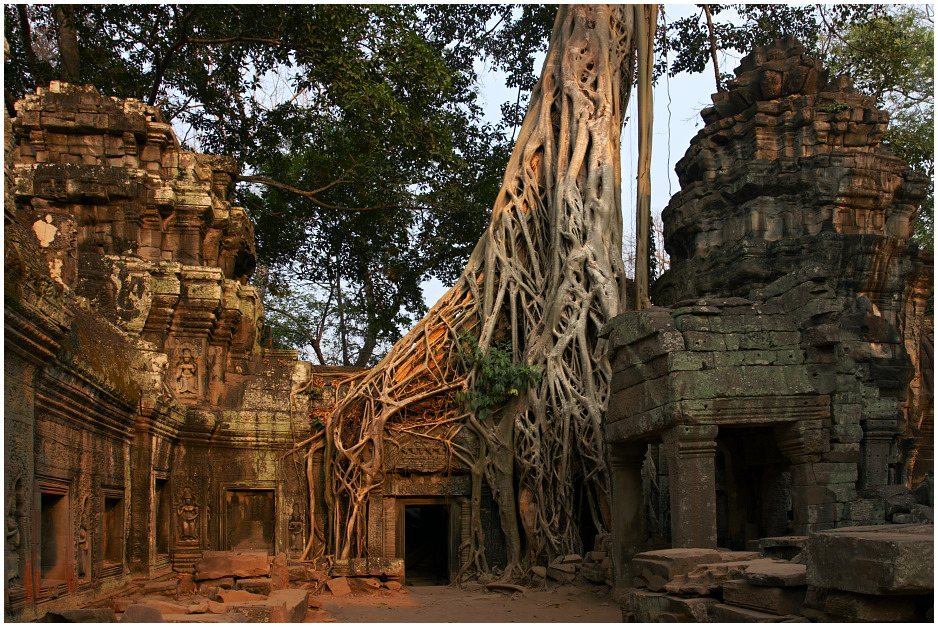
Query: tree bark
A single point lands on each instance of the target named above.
(545, 277)
(67, 37)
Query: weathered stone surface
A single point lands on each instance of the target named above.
(393, 585)
(656, 568)
(848, 606)
(139, 613)
(780, 574)
(890, 559)
(656, 607)
(222, 582)
(296, 602)
(709, 578)
(561, 575)
(773, 600)
(279, 576)
(257, 585)
(233, 617)
(724, 613)
(338, 586)
(233, 596)
(120, 604)
(219, 564)
(99, 615)
(167, 588)
(782, 547)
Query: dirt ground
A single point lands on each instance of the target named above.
(448, 604)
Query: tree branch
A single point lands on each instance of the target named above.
(26, 35)
(163, 64)
(713, 47)
(311, 195)
(314, 342)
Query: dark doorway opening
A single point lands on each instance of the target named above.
(426, 545)
(250, 519)
(163, 520)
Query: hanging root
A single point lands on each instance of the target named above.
(545, 277)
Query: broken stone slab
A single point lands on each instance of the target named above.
(882, 559)
(167, 588)
(782, 547)
(279, 576)
(338, 586)
(313, 574)
(657, 607)
(168, 607)
(562, 576)
(593, 572)
(233, 596)
(706, 579)
(739, 556)
(257, 585)
(221, 582)
(781, 601)
(596, 556)
(565, 568)
(296, 572)
(185, 586)
(371, 582)
(84, 615)
(853, 607)
(725, 613)
(216, 607)
(271, 610)
(295, 602)
(780, 574)
(205, 618)
(138, 613)
(218, 564)
(654, 569)
(393, 585)
(571, 559)
(120, 604)
(540, 571)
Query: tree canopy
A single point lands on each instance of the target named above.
(367, 165)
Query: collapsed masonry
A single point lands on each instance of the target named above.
(782, 384)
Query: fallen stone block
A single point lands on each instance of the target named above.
(313, 574)
(849, 606)
(562, 576)
(338, 586)
(217, 564)
(593, 572)
(565, 568)
(279, 576)
(165, 607)
(266, 611)
(723, 613)
(233, 596)
(87, 615)
(540, 571)
(739, 556)
(185, 586)
(780, 574)
(654, 569)
(295, 601)
(657, 607)
(597, 556)
(222, 582)
(203, 618)
(257, 585)
(780, 601)
(216, 607)
(141, 614)
(371, 582)
(707, 579)
(167, 588)
(882, 559)
(385, 566)
(393, 585)
(297, 573)
(571, 559)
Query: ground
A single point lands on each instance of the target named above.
(442, 604)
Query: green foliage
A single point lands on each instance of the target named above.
(498, 377)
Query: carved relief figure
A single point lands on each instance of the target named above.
(295, 526)
(186, 372)
(11, 562)
(189, 514)
(83, 567)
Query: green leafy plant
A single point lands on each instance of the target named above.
(498, 377)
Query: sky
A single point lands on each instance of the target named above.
(677, 105)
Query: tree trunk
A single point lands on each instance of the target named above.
(545, 277)
(67, 37)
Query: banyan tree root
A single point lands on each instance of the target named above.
(545, 277)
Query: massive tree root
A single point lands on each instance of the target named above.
(544, 278)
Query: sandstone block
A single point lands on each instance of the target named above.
(86, 615)
(218, 564)
(167, 588)
(707, 579)
(848, 606)
(141, 614)
(315, 575)
(571, 559)
(266, 611)
(257, 585)
(739, 556)
(295, 601)
(657, 607)
(565, 567)
(781, 574)
(338, 586)
(279, 575)
(371, 582)
(204, 618)
(656, 568)
(723, 613)
(234, 596)
(120, 604)
(393, 585)
(217, 608)
(223, 582)
(882, 559)
(782, 547)
(165, 607)
(593, 572)
(561, 575)
(768, 599)
(596, 556)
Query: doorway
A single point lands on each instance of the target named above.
(250, 519)
(426, 544)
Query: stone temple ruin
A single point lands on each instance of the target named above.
(778, 392)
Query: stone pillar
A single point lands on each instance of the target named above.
(628, 522)
(690, 451)
(879, 437)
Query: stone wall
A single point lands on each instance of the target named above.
(781, 385)
(138, 400)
